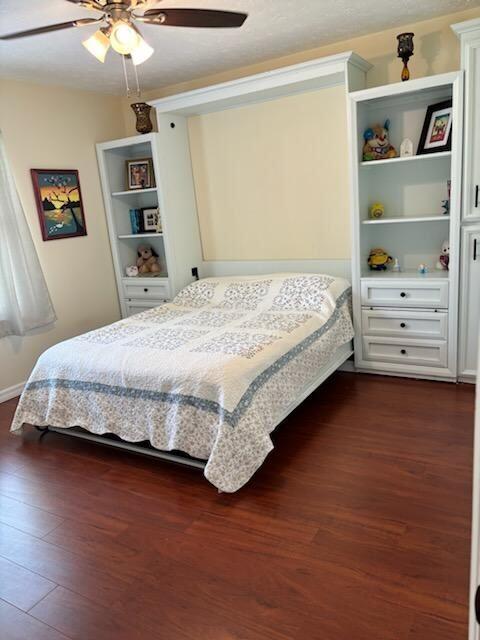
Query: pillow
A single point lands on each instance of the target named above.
(276, 292)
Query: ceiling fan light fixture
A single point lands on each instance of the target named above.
(124, 38)
(98, 44)
(141, 53)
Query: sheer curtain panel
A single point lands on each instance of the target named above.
(24, 299)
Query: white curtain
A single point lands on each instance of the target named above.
(24, 300)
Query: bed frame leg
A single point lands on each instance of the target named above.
(43, 430)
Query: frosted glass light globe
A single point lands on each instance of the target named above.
(124, 39)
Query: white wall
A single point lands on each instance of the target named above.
(55, 128)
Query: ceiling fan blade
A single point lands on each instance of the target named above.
(51, 27)
(88, 4)
(203, 18)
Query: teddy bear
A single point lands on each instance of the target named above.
(377, 143)
(444, 259)
(147, 261)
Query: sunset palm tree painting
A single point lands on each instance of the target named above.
(59, 203)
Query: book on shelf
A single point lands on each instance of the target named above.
(135, 219)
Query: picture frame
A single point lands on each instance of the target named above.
(150, 220)
(140, 174)
(437, 129)
(59, 203)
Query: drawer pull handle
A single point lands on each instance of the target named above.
(146, 290)
(476, 196)
(403, 352)
(403, 294)
(403, 325)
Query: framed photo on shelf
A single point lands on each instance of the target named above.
(150, 220)
(437, 129)
(140, 174)
(59, 203)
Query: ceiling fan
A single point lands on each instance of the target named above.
(118, 29)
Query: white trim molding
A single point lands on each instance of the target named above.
(11, 392)
(344, 68)
(468, 26)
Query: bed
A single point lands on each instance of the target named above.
(210, 374)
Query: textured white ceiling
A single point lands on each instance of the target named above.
(273, 28)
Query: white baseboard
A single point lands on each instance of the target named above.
(11, 392)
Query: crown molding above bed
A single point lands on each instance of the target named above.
(344, 68)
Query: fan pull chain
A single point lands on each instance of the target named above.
(136, 79)
(129, 90)
(125, 75)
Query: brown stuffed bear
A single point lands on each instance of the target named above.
(147, 261)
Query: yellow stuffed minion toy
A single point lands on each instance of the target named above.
(379, 259)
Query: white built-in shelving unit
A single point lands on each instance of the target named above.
(406, 323)
(178, 246)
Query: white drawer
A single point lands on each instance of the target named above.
(411, 324)
(429, 353)
(137, 306)
(155, 288)
(429, 293)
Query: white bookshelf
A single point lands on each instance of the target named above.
(178, 246)
(412, 229)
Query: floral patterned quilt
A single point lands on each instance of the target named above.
(209, 374)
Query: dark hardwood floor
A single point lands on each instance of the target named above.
(356, 528)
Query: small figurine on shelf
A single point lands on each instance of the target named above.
(396, 266)
(377, 143)
(406, 148)
(379, 259)
(376, 210)
(444, 259)
(422, 269)
(446, 203)
(147, 262)
(131, 271)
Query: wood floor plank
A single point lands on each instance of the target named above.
(60, 498)
(80, 618)
(357, 526)
(17, 625)
(62, 566)
(26, 518)
(20, 587)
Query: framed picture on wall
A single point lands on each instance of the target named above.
(437, 129)
(59, 203)
(140, 174)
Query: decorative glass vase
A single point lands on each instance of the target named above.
(405, 52)
(142, 112)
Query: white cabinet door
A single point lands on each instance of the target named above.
(474, 613)
(470, 301)
(471, 210)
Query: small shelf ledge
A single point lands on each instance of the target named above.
(424, 157)
(407, 274)
(131, 192)
(140, 235)
(436, 218)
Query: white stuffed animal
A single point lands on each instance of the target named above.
(444, 259)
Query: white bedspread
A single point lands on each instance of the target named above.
(209, 374)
